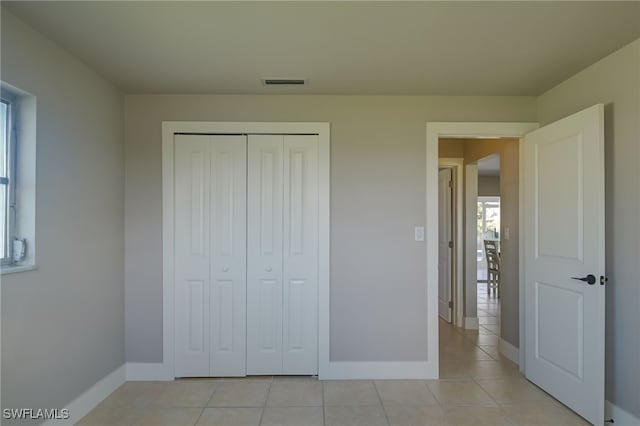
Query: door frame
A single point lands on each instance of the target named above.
(169, 129)
(468, 130)
(457, 174)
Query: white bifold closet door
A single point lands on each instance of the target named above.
(246, 255)
(282, 254)
(210, 255)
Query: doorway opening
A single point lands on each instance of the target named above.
(489, 210)
(558, 235)
(488, 244)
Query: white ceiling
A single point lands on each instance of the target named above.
(452, 48)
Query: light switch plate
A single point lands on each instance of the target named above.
(506, 233)
(419, 233)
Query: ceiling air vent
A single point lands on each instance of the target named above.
(283, 81)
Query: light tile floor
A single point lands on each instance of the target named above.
(477, 387)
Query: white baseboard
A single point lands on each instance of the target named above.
(509, 351)
(93, 396)
(620, 416)
(148, 371)
(471, 323)
(379, 370)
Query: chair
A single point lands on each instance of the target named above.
(493, 266)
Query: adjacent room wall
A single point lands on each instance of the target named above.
(378, 303)
(615, 82)
(63, 324)
(488, 186)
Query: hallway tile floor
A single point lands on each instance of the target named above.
(477, 386)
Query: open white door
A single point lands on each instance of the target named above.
(564, 265)
(445, 241)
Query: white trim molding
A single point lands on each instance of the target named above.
(620, 417)
(345, 370)
(471, 323)
(509, 351)
(434, 131)
(88, 400)
(169, 129)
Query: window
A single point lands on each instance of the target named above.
(17, 179)
(7, 180)
(488, 229)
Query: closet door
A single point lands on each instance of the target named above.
(300, 274)
(264, 254)
(228, 255)
(210, 255)
(192, 255)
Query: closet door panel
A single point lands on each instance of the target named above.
(264, 254)
(192, 256)
(228, 255)
(300, 251)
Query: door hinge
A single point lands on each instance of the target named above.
(450, 244)
(603, 279)
(450, 184)
(450, 304)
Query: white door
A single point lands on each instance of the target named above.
(210, 255)
(300, 273)
(564, 240)
(264, 254)
(444, 240)
(282, 244)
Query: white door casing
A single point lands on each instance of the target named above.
(444, 238)
(564, 238)
(209, 255)
(264, 254)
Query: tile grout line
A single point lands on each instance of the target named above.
(384, 410)
(264, 406)
(324, 415)
(200, 416)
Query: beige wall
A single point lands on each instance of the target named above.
(451, 148)
(378, 304)
(615, 82)
(63, 324)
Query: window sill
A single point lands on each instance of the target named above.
(13, 269)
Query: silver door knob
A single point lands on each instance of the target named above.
(225, 269)
(268, 269)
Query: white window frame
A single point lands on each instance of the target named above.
(11, 176)
(22, 178)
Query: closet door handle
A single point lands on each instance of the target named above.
(225, 269)
(268, 269)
